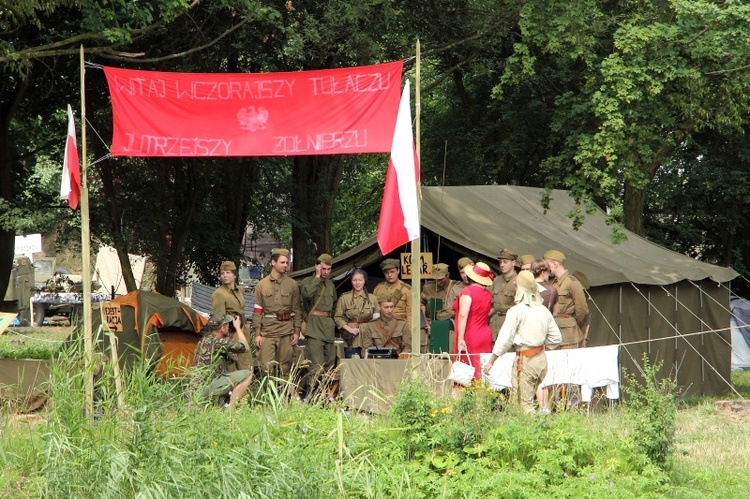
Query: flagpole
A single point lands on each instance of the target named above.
(416, 274)
(86, 255)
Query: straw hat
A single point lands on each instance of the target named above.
(526, 289)
(480, 273)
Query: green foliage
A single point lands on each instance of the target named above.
(652, 407)
(37, 345)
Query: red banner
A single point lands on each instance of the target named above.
(334, 111)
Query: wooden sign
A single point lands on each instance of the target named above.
(425, 266)
(112, 316)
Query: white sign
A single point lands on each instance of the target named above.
(28, 245)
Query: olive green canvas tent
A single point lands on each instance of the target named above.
(157, 328)
(651, 300)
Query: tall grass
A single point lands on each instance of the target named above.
(165, 444)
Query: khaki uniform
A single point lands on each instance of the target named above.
(355, 311)
(572, 310)
(401, 293)
(228, 301)
(432, 290)
(453, 293)
(503, 297)
(318, 299)
(272, 295)
(394, 333)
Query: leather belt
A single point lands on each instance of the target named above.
(360, 321)
(501, 313)
(320, 313)
(529, 352)
(564, 316)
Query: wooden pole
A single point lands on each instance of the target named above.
(86, 256)
(416, 312)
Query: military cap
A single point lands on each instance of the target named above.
(555, 255)
(506, 254)
(280, 251)
(218, 320)
(385, 298)
(439, 270)
(325, 258)
(464, 261)
(389, 263)
(228, 266)
(526, 259)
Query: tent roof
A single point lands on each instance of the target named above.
(484, 219)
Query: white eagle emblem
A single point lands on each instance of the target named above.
(252, 120)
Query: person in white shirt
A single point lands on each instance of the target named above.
(528, 328)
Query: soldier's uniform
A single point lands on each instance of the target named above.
(354, 311)
(318, 298)
(572, 309)
(399, 290)
(393, 333)
(217, 356)
(276, 317)
(231, 301)
(432, 290)
(503, 294)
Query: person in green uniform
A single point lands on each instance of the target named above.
(437, 289)
(503, 290)
(572, 313)
(277, 316)
(387, 331)
(215, 354)
(318, 295)
(354, 308)
(458, 286)
(230, 299)
(396, 288)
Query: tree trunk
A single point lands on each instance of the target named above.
(633, 204)
(316, 184)
(7, 234)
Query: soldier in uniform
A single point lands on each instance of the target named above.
(387, 331)
(458, 286)
(503, 290)
(354, 308)
(318, 295)
(396, 288)
(572, 312)
(526, 261)
(277, 316)
(229, 299)
(438, 289)
(215, 354)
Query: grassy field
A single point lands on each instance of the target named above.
(164, 444)
(32, 342)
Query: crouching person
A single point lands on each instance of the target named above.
(215, 354)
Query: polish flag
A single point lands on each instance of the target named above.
(399, 214)
(70, 188)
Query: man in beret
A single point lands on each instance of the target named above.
(572, 312)
(229, 299)
(215, 354)
(277, 316)
(318, 295)
(396, 288)
(503, 290)
(387, 331)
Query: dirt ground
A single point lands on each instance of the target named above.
(734, 409)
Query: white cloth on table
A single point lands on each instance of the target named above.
(590, 368)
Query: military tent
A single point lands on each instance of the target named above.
(155, 327)
(652, 300)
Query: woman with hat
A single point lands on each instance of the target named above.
(354, 308)
(472, 308)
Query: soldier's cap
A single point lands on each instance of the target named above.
(555, 255)
(218, 320)
(385, 298)
(506, 254)
(325, 258)
(439, 271)
(228, 266)
(389, 263)
(464, 261)
(526, 260)
(280, 252)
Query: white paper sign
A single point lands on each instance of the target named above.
(28, 245)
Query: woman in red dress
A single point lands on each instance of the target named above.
(472, 308)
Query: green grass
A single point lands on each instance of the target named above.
(32, 343)
(163, 444)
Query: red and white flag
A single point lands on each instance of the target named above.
(70, 188)
(399, 214)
